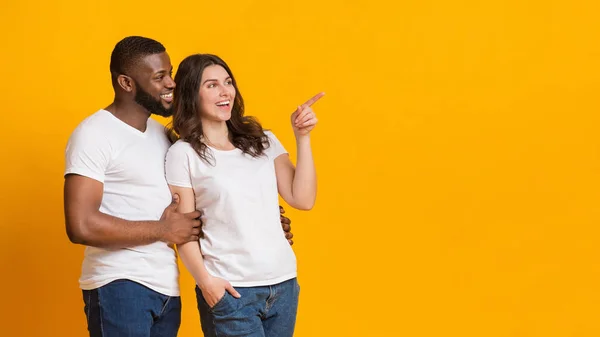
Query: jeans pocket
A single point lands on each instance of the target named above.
(223, 306)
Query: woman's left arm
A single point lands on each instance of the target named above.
(298, 185)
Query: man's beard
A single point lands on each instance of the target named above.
(151, 104)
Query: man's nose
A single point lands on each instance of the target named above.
(170, 82)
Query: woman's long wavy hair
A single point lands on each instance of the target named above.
(245, 132)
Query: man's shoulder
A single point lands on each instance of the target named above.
(92, 131)
(97, 121)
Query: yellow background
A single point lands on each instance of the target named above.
(457, 152)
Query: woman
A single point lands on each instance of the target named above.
(228, 166)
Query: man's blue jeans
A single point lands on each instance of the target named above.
(266, 311)
(125, 308)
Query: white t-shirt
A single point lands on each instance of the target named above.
(130, 164)
(243, 240)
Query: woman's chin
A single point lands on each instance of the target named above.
(225, 117)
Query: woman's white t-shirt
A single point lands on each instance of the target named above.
(243, 240)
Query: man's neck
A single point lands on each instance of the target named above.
(130, 113)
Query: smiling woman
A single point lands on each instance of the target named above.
(216, 95)
(208, 81)
(226, 165)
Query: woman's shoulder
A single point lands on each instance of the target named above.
(181, 144)
(180, 147)
(270, 135)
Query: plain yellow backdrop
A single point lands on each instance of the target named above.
(457, 152)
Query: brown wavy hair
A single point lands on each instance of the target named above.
(245, 132)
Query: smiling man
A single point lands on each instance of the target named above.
(118, 204)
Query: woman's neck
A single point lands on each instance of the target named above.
(216, 135)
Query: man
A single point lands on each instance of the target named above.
(118, 204)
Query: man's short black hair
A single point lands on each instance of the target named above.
(131, 50)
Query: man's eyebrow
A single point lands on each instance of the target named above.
(164, 71)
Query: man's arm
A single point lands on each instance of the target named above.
(88, 226)
(286, 224)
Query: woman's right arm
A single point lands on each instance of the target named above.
(190, 251)
(213, 288)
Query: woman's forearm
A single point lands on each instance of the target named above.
(304, 185)
(194, 262)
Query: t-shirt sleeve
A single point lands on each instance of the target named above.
(87, 154)
(177, 166)
(276, 148)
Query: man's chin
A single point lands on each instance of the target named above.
(167, 110)
(160, 110)
(155, 107)
(163, 113)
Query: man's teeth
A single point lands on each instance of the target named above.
(223, 103)
(167, 95)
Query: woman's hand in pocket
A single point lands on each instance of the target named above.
(214, 288)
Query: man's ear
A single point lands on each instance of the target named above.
(126, 83)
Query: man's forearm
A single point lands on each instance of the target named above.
(106, 231)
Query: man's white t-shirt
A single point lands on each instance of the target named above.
(243, 240)
(130, 164)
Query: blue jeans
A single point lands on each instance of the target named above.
(266, 311)
(125, 308)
